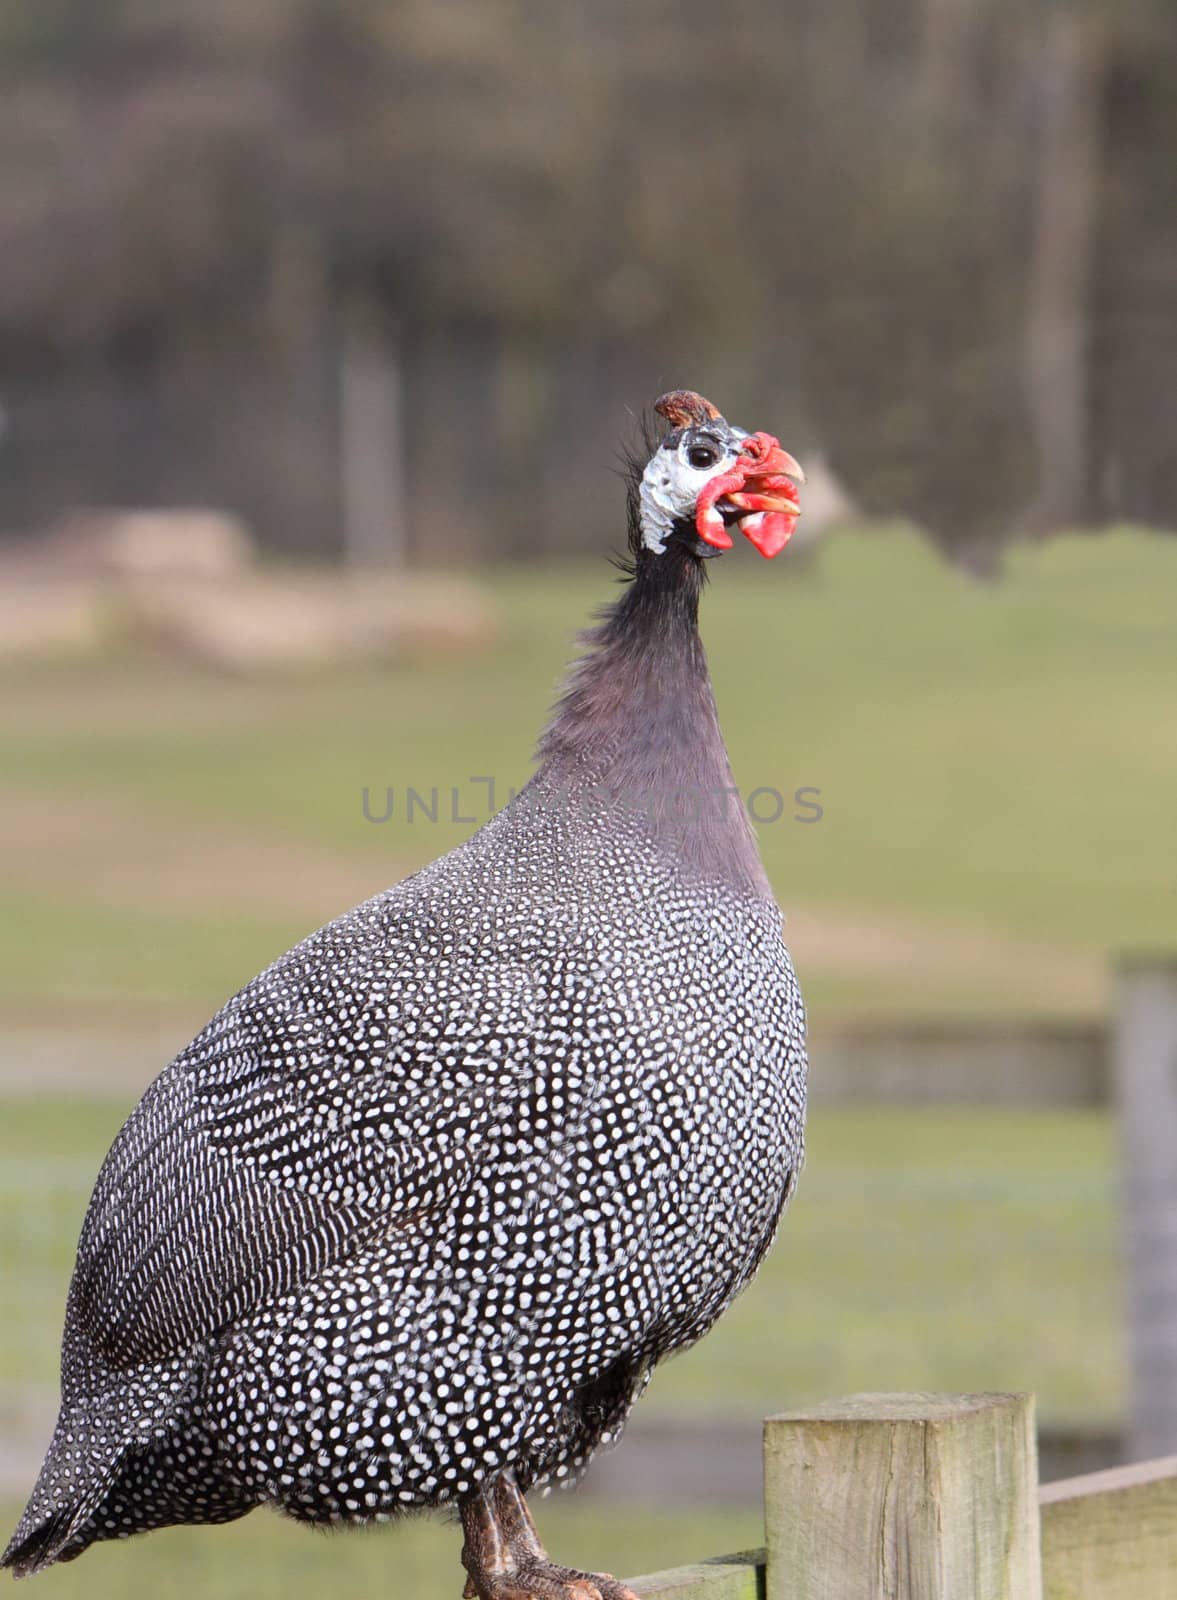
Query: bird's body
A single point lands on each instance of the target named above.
(421, 1208)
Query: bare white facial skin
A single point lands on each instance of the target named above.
(674, 477)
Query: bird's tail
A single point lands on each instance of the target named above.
(62, 1503)
(103, 1479)
(100, 1449)
(30, 1550)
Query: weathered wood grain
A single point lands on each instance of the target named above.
(738, 1577)
(1112, 1535)
(904, 1497)
(934, 1497)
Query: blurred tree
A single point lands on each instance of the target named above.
(925, 238)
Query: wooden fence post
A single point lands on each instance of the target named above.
(1146, 1087)
(904, 1497)
(1111, 1535)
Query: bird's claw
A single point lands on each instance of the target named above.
(545, 1580)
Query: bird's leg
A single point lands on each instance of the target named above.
(484, 1554)
(505, 1560)
(514, 1519)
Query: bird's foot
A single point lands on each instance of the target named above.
(537, 1578)
(505, 1560)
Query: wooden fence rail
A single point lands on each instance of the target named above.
(936, 1497)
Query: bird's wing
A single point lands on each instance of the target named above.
(349, 1090)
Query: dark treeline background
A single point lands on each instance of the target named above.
(383, 277)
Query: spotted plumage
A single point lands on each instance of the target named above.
(423, 1206)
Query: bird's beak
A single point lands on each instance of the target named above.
(762, 485)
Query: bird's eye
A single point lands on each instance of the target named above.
(702, 456)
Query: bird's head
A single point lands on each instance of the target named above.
(708, 475)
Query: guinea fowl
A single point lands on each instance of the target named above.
(410, 1223)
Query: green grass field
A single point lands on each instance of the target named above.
(997, 769)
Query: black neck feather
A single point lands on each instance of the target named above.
(638, 721)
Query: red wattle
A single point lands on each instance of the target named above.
(769, 531)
